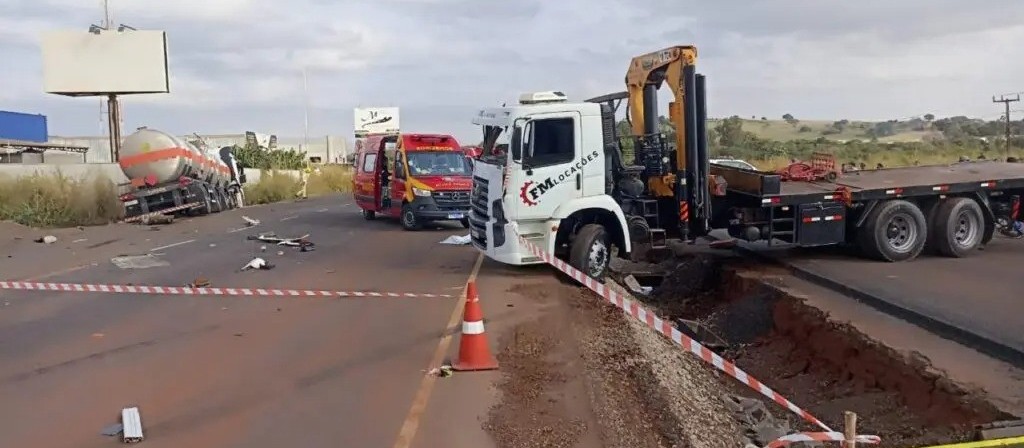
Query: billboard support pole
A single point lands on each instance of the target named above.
(114, 125)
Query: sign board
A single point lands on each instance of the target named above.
(375, 120)
(80, 63)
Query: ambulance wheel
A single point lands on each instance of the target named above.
(409, 219)
(369, 215)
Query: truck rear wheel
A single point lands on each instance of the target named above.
(958, 227)
(896, 230)
(590, 252)
(369, 215)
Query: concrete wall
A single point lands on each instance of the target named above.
(87, 170)
(331, 148)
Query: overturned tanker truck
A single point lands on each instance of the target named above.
(170, 175)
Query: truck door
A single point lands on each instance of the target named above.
(551, 170)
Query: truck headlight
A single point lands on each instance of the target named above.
(420, 192)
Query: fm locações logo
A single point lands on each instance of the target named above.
(531, 191)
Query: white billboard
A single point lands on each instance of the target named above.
(81, 63)
(375, 120)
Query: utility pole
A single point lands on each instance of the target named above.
(305, 110)
(1006, 101)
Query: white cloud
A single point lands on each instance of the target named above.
(237, 63)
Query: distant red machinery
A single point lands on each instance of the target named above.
(822, 167)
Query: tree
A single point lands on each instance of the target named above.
(790, 119)
(730, 132)
(805, 128)
(929, 117)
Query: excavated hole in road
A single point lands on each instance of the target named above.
(821, 365)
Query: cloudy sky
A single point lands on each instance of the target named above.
(236, 64)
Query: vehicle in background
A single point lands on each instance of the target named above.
(417, 178)
(167, 173)
(735, 163)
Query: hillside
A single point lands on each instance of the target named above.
(781, 130)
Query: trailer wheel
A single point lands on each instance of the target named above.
(590, 252)
(959, 227)
(896, 230)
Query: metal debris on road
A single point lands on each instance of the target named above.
(456, 240)
(48, 239)
(132, 422)
(112, 430)
(199, 282)
(149, 220)
(258, 263)
(444, 371)
(635, 286)
(249, 222)
(138, 261)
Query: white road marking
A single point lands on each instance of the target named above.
(238, 230)
(322, 210)
(289, 217)
(171, 245)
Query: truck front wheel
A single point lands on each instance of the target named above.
(590, 252)
(409, 219)
(896, 230)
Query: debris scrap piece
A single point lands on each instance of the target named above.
(199, 282)
(112, 430)
(258, 263)
(132, 422)
(138, 261)
(48, 239)
(149, 220)
(456, 240)
(635, 286)
(443, 371)
(249, 222)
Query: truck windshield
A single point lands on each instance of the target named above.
(495, 144)
(439, 163)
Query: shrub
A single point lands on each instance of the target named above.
(55, 200)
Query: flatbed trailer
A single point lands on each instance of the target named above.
(890, 214)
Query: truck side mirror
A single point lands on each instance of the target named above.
(516, 143)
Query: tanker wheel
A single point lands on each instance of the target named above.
(204, 198)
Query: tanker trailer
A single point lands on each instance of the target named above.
(168, 174)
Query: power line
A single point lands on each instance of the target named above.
(1006, 102)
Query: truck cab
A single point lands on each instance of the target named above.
(545, 175)
(417, 178)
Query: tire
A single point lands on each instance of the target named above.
(464, 222)
(409, 219)
(369, 215)
(896, 230)
(959, 227)
(590, 251)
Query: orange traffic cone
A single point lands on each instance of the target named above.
(474, 353)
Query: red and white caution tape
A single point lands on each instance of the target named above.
(162, 212)
(818, 437)
(633, 308)
(189, 291)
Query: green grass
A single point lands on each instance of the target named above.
(56, 200)
(275, 186)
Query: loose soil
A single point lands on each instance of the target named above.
(820, 365)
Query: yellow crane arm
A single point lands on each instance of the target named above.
(652, 69)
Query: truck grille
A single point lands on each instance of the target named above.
(478, 216)
(452, 200)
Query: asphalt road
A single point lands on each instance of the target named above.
(979, 295)
(235, 371)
